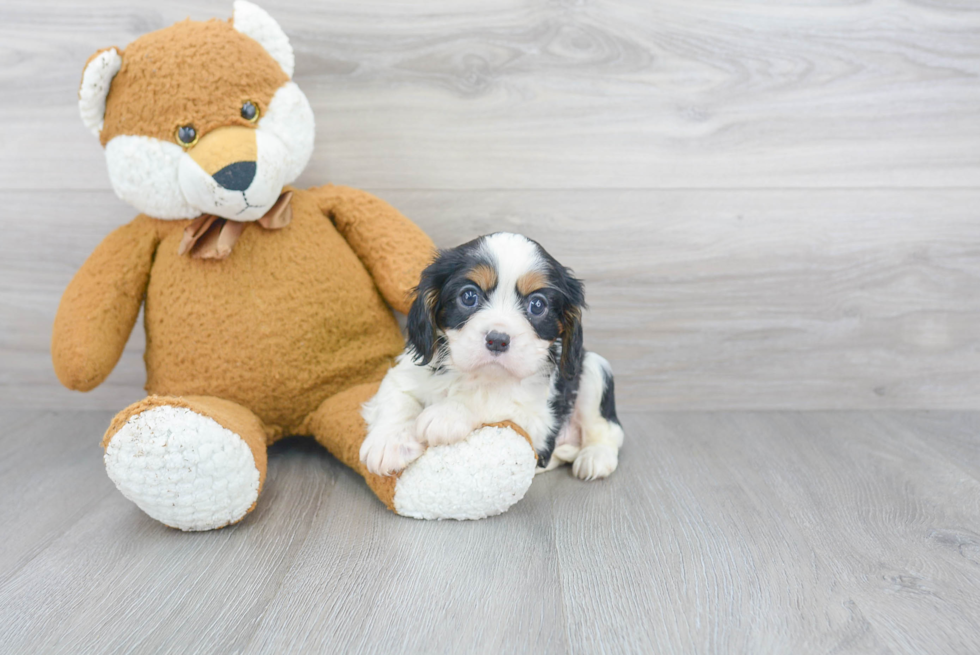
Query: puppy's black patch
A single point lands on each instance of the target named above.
(569, 292)
(607, 407)
(562, 403)
(562, 325)
(435, 306)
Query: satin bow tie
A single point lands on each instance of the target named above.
(213, 237)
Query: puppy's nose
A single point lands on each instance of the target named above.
(237, 176)
(497, 342)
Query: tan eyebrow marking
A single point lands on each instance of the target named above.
(483, 276)
(531, 282)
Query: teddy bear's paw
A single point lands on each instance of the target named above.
(444, 423)
(594, 462)
(478, 477)
(387, 451)
(183, 469)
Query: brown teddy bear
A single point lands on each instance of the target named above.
(266, 306)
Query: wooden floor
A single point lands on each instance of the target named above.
(722, 532)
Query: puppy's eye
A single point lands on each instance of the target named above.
(469, 297)
(537, 305)
(250, 111)
(186, 136)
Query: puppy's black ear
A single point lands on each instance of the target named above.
(424, 336)
(572, 341)
(421, 324)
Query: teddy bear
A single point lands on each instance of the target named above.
(267, 308)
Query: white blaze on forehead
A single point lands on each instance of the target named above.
(513, 255)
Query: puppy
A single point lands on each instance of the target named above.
(495, 334)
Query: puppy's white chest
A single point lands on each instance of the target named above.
(494, 400)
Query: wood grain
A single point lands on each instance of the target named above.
(771, 531)
(49, 463)
(788, 299)
(721, 532)
(357, 586)
(528, 94)
(689, 160)
(121, 582)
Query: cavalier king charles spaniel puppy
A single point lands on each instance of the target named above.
(495, 334)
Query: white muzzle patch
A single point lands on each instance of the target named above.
(525, 355)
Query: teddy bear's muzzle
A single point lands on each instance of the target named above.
(225, 147)
(234, 172)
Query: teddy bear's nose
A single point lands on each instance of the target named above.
(237, 176)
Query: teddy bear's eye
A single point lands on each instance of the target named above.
(250, 111)
(186, 136)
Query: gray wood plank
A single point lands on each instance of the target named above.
(117, 581)
(953, 434)
(772, 533)
(12, 419)
(880, 502)
(368, 581)
(793, 299)
(707, 562)
(528, 94)
(48, 480)
(721, 532)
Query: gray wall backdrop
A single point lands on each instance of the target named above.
(774, 204)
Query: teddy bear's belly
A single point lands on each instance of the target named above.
(288, 320)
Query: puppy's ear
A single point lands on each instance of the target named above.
(421, 324)
(572, 341)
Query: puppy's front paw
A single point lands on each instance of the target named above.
(444, 423)
(387, 451)
(595, 462)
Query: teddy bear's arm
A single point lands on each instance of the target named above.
(100, 306)
(393, 248)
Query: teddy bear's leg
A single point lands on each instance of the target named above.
(478, 477)
(338, 426)
(193, 463)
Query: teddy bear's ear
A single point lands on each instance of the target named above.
(254, 22)
(96, 80)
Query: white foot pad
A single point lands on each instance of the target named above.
(183, 469)
(472, 479)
